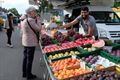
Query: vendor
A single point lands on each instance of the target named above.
(87, 22)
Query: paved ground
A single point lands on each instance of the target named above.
(11, 59)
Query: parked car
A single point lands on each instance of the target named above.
(107, 21)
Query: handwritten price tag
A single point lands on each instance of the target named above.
(82, 64)
(73, 56)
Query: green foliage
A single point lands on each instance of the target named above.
(116, 4)
(44, 6)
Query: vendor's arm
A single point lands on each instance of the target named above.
(90, 31)
(71, 23)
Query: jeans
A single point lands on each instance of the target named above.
(28, 60)
(9, 34)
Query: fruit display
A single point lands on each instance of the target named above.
(45, 40)
(63, 74)
(99, 75)
(116, 53)
(102, 62)
(95, 61)
(109, 50)
(71, 32)
(60, 55)
(70, 60)
(60, 37)
(77, 36)
(84, 41)
(64, 63)
(99, 43)
(90, 49)
(99, 67)
(62, 46)
(90, 59)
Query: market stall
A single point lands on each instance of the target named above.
(70, 56)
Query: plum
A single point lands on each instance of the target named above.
(87, 59)
(83, 58)
(90, 57)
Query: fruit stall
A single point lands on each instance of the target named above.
(71, 56)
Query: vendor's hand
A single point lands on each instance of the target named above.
(86, 35)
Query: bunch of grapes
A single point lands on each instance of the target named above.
(45, 40)
(71, 32)
(60, 37)
(77, 36)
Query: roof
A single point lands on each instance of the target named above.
(97, 8)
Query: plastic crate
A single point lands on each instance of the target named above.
(110, 69)
(116, 47)
(110, 57)
(79, 49)
(110, 43)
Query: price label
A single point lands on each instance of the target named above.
(49, 61)
(82, 64)
(73, 56)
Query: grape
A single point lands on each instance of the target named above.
(83, 58)
(87, 59)
(60, 37)
(77, 36)
(45, 40)
(71, 32)
(90, 57)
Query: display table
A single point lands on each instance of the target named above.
(62, 52)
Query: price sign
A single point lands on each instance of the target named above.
(49, 61)
(73, 56)
(82, 64)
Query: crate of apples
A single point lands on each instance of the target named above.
(65, 64)
(66, 74)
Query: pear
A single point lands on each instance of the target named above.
(93, 48)
(89, 49)
(50, 57)
(85, 48)
(76, 52)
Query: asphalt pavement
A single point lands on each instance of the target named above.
(11, 59)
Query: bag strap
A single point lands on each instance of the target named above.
(31, 27)
(33, 30)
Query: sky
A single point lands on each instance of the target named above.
(20, 5)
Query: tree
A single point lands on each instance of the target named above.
(14, 11)
(44, 5)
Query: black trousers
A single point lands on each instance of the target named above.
(28, 60)
(9, 34)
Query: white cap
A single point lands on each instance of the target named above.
(30, 9)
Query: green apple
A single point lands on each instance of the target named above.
(89, 49)
(85, 48)
(93, 48)
(76, 52)
(50, 57)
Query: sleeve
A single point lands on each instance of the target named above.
(92, 22)
(78, 18)
(34, 25)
